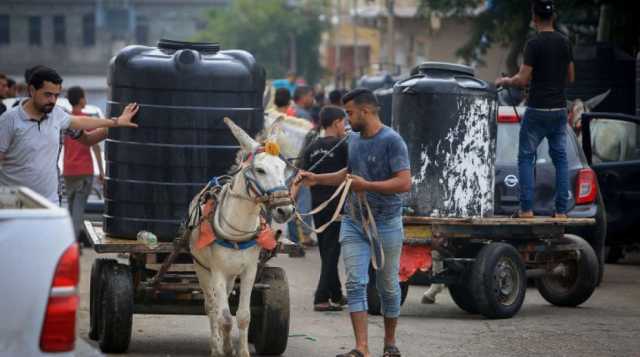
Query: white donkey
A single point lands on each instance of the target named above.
(259, 185)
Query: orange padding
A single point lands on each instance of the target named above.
(413, 258)
(207, 236)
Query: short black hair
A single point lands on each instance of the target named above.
(300, 92)
(282, 97)
(543, 9)
(74, 95)
(36, 76)
(330, 114)
(361, 96)
(335, 97)
(11, 82)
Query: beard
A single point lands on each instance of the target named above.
(356, 127)
(47, 108)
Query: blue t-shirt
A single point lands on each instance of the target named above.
(284, 83)
(377, 159)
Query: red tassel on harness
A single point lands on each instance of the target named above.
(267, 238)
(414, 258)
(207, 236)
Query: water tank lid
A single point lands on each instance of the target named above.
(443, 66)
(203, 47)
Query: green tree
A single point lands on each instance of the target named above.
(270, 29)
(506, 23)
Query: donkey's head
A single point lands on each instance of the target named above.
(264, 172)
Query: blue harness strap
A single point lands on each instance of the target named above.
(236, 245)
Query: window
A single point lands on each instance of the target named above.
(88, 30)
(35, 30)
(5, 32)
(59, 30)
(142, 30)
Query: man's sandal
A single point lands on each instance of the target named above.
(352, 353)
(391, 351)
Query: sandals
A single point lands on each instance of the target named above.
(352, 353)
(327, 306)
(391, 351)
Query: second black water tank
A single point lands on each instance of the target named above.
(448, 119)
(184, 91)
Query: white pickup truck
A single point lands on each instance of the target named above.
(39, 265)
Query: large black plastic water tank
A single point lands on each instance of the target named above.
(448, 119)
(382, 86)
(184, 91)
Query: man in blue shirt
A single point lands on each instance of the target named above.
(379, 166)
(289, 82)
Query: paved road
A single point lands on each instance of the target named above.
(607, 325)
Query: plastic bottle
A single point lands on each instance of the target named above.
(149, 239)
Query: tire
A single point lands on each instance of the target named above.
(498, 281)
(116, 308)
(95, 296)
(461, 294)
(373, 297)
(580, 281)
(269, 329)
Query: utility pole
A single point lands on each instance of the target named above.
(390, 33)
(337, 44)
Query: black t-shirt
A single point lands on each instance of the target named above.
(335, 161)
(549, 53)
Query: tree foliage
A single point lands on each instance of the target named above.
(506, 23)
(266, 28)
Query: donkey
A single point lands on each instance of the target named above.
(611, 140)
(259, 185)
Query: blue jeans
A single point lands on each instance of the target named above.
(537, 125)
(356, 256)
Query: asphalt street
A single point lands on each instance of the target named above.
(606, 325)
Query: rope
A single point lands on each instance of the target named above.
(344, 187)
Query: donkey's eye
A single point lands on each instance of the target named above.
(260, 171)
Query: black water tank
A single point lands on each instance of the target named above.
(638, 85)
(382, 86)
(448, 119)
(184, 91)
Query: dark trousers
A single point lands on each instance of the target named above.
(329, 286)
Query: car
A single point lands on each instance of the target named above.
(40, 261)
(611, 143)
(585, 198)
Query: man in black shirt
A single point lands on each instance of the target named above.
(328, 295)
(548, 66)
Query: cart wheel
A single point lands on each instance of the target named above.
(373, 298)
(95, 297)
(269, 328)
(461, 294)
(578, 280)
(498, 282)
(116, 307)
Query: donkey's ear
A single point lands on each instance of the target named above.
(245, 141)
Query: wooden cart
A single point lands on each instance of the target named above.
(487, 260)
(144, 284)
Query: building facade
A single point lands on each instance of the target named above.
(79, 37)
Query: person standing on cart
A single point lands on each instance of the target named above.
(548, 66)
(328, 296)
(378, 164)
